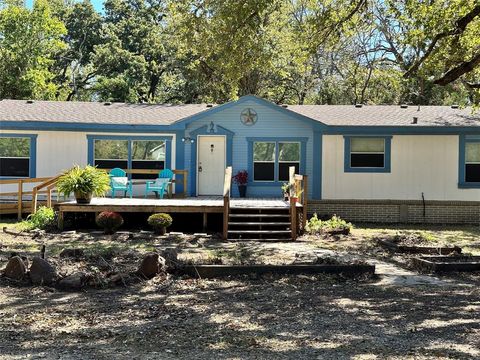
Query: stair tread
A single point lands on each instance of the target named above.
(258, 223)
(259, 215)
(259, 231)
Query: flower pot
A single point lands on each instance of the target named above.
(162, 230)
(294, 199)
(242, 189)
(83, 198)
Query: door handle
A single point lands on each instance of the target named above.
(200, 169)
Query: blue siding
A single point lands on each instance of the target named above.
(273, 122)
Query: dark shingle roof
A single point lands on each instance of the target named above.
(388, 115)
(96, 112)
(151, 114)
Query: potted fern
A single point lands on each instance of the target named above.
(84, 183)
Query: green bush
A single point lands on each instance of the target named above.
(160, 220)
(44, 218)
(334, 225)
(110, 221)
(84, 181)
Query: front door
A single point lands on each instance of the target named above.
(211, 165)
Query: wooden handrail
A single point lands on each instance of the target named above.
(23, 180)
(49, 184)
(298, 185)
(227, 185)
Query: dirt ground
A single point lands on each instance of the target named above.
(269, 317)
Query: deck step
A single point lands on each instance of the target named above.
(259, 232)
(259, 223)
(259, 215)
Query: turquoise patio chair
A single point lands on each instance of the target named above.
(119, 182)
(160, 184)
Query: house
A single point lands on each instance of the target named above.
(365, 163)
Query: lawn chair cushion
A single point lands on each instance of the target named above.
(119, 181)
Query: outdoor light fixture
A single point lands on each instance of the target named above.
(188, 139)
(212, 147)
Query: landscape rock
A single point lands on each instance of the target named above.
(15, 268)
(151, 265)
(71, 253)
(74, 281)
(170, 256)
(41, 272)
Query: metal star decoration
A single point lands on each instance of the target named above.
(248, 116)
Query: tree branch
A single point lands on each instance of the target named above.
(463, 68)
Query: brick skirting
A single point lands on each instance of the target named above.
(396, 211)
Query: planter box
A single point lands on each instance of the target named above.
(213, 271)
(448, 263)
(420, 249)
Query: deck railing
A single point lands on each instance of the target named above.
(298, 185)
(227, 186)
(47, 186)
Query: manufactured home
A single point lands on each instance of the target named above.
(364, 162)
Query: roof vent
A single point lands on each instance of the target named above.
(403, 106)
(30, 101)
(284, 106)
(455, 106)
(209, 105)
(415, 120)
(107, 103)
(358, 105)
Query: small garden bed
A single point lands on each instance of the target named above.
(447, 263)
(406, 249)
(214, 271)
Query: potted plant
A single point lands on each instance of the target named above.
(84, 183)
(160, 222)
(241, 179)
(294, 195)
(110, 221)
(286, 188)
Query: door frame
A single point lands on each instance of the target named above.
(198, 157)
(206, 130)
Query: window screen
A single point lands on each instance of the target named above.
(367, 153)
(111, 154)
(472, 162)
(288, 155)
(264, 161)
(15, 157)
(148, 154)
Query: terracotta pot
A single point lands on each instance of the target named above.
(83, 198)
(294, 199)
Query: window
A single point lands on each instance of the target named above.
(264, 161)
(472, 162)
(288, 155)
(129, 153)
(271, 158)
(16, 156)
(367, 154)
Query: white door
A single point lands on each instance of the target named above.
(211, 165)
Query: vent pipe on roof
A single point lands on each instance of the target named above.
(454, 106)
(107, 103)
(358, 105)
(30, 101)
(403, 106)
(284, 106)
(209, 105)
(415, 120)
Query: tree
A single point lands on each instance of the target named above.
(29, 41)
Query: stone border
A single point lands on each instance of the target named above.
(214, 271)
(445, 263)
(419, 249)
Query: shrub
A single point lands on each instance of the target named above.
(84, 181)
(44, 218)
(110, 221)
(335, 225)
(160, 222)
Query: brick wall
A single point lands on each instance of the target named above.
(392, 211)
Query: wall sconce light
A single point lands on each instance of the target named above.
(188, 139)
(212, 147)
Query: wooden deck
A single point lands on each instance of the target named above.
(203, 205)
